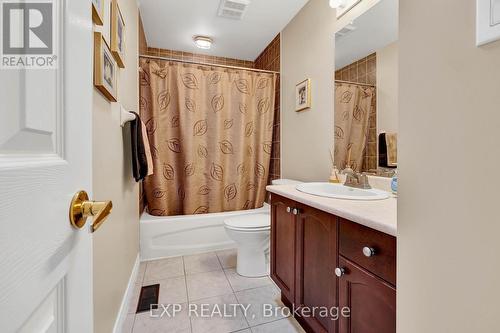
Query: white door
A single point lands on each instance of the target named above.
(45, 157)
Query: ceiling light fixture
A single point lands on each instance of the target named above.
(203, 42)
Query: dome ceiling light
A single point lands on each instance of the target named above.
(203, 42)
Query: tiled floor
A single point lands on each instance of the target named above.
(207, 279)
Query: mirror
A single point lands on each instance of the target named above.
(366, 88)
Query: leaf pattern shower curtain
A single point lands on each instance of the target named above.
(352, 110)
(210, 131)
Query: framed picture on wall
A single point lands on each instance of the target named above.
(104, 68)
(98, 11)
(117, 34)
(303, 95)
(487, 21)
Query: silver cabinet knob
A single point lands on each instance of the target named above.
(295, 211)
(288, 209)
(368, 251)
(339, 271)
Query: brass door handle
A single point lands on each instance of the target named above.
(81, 208)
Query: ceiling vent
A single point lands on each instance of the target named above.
(344, 31)
(233, 9)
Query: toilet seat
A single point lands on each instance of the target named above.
(250, 222)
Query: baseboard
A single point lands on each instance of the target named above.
(122, 314)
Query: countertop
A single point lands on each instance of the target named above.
(380, 215)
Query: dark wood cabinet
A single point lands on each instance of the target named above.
(371, 300)
(308, 244)
(315, 265)
(283, 234)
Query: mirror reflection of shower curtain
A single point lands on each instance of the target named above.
(352, 110)
(210, 130)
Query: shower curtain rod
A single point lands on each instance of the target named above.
(356, 83)
(207, 64)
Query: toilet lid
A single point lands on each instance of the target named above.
(250, 221)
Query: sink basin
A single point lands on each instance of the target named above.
(339, 191)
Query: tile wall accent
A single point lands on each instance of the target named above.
(365, 71)
(269, 59)
(188, 56)
(143, 44)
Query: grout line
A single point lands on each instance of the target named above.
(238, 301)
(187, 294)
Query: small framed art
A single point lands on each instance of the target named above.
(117, 34)
(98, 11)
(104, 68)
(303, 95)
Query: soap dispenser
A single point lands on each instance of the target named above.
(394, 183)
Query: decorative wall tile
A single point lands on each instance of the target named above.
(269, 59)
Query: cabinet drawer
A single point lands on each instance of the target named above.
(354, 238)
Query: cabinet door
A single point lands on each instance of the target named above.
(283, 230)
(372, 301)
(316, 261)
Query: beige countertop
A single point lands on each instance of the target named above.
(380, 215)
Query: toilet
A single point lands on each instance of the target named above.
(251, 233)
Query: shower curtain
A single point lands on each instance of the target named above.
(352, 108)
(210, 130)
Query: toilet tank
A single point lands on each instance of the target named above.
(285, 182)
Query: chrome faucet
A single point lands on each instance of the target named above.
(356, 179)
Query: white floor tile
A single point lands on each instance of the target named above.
(172, 291)
(232, 319)
(180, 323)
(163, 269)
(239, 282)
(209, 284)
(201, 263)
(128, 324)
(227, 258)
(257, 298)
(289, 325)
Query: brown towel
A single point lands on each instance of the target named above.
(392, 149)
(139, 147)
(147, 149)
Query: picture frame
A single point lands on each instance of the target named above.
(487, 21)
(303, 95)
(98, 12)
(117, 34)
(105, 68)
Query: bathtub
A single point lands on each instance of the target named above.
(170, 236)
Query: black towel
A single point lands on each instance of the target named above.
(139, 160)
(383, 159)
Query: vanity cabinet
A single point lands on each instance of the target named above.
(371, 300)
(321, 260)
(316, 259)
(283, 233)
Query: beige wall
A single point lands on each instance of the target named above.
(387, 88)
(307, 51)
(116, 243)
(448, 226)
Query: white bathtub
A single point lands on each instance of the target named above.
(170, 236)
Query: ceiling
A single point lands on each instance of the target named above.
(171, 24)
(375, 29)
